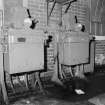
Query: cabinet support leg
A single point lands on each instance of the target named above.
(3, 86)
(37, 76)
(26, 81)
(11, 82)
(2, 80)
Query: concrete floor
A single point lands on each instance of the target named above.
(57, 95)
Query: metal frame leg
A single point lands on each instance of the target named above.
(26, 81)
(3, 86)
(11, 82)
(37, 76)
(2, 80)
(19, 81)
(61, 72)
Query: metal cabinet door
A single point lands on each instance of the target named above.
(24, 56)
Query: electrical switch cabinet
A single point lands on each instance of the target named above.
(75, 48)
(25, 51)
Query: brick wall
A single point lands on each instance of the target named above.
(81, 9)
(8, 5)
(100, 45)
(100, 52)
(38, 9)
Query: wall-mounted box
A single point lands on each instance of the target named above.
(75, 48)
(25, 51)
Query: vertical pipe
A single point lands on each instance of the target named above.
(101, 31)
(1, 4)
(95, 23)
(60, 16)
(96, 10)
(47, 13)
(2, 9)
(90, 16)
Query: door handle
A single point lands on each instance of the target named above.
(21, 39)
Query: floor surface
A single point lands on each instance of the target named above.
(56, 95)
